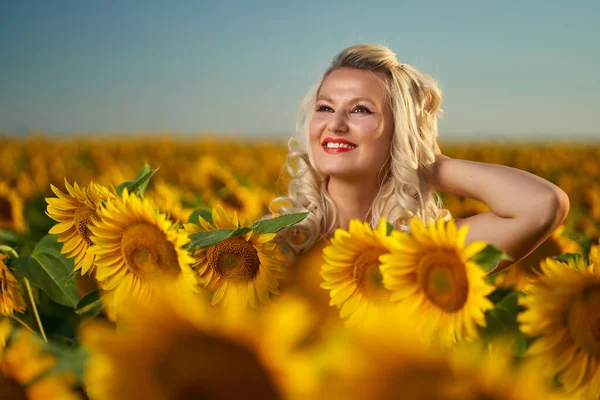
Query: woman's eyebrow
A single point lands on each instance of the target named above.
(353, 100)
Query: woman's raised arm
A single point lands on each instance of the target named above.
(524, 208)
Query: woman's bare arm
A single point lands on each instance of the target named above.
(524, 209)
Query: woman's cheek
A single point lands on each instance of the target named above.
(371, 128)
(315, 129)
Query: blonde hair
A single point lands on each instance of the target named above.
(415, 100)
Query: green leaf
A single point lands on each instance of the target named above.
(140, 183)
(274, 225)
(489, 257)
(203, 239)
(60, 340)
(510, 303)
(49, 270)
(503, 318)
(205, 213)
(37, 221)
(70, 359)
(200, 240)
(90, 305)
(521, 345)
(498, 294)
(390, 229)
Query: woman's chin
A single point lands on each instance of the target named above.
(340, 173)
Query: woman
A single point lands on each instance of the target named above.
(366, 147)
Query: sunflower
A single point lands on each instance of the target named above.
(11, 209)
(563, 312)
(242, 200)
(290, 344)
(25, 186)
(375, 367)
(11, 299)
(134, 244)
(489, 371)
(24, 370)
(74, 213)
(212, 177)
(389, 362)
(351, 271)
(6, 330)
(430, 271)
(595, 255)
(243, 269)
(522, 272)
(172, 347)
(168, 199)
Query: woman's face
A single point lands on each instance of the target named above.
(353, 125)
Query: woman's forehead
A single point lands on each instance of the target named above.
(351, 84)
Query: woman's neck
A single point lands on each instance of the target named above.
(352, 199)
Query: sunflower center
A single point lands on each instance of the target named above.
(216, 183)
(202, 367)
(583, 320)
(5, 209)
(232, 200)
(147, 251)
(367, 275)
(443, 279)
(82, 219)
(235, 259)
(11, 390)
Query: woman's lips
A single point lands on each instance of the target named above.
(337, 149)
(337, 145)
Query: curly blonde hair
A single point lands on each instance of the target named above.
(415, 101)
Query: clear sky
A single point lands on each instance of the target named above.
(505, 67)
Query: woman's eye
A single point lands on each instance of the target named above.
(323, 109)
(361, 110)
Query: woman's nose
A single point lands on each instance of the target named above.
(338, 123)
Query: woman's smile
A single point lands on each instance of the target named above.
(337, 145)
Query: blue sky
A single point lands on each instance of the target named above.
(505, 67)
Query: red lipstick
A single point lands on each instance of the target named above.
(338, 145)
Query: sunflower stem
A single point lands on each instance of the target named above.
(35, 311)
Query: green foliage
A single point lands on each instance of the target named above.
(500, 293)
(57, 320)
(274, 225)
(502, 319)
(49, 270)
(204, 239)
(205, 213)
(71, 357)
(140, 183)
(200, 240)
(390, 228)
(489, 257)
(90, 305)
(37, 221)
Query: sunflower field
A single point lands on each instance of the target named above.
(151, 267)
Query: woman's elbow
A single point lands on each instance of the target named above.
(556, 208)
